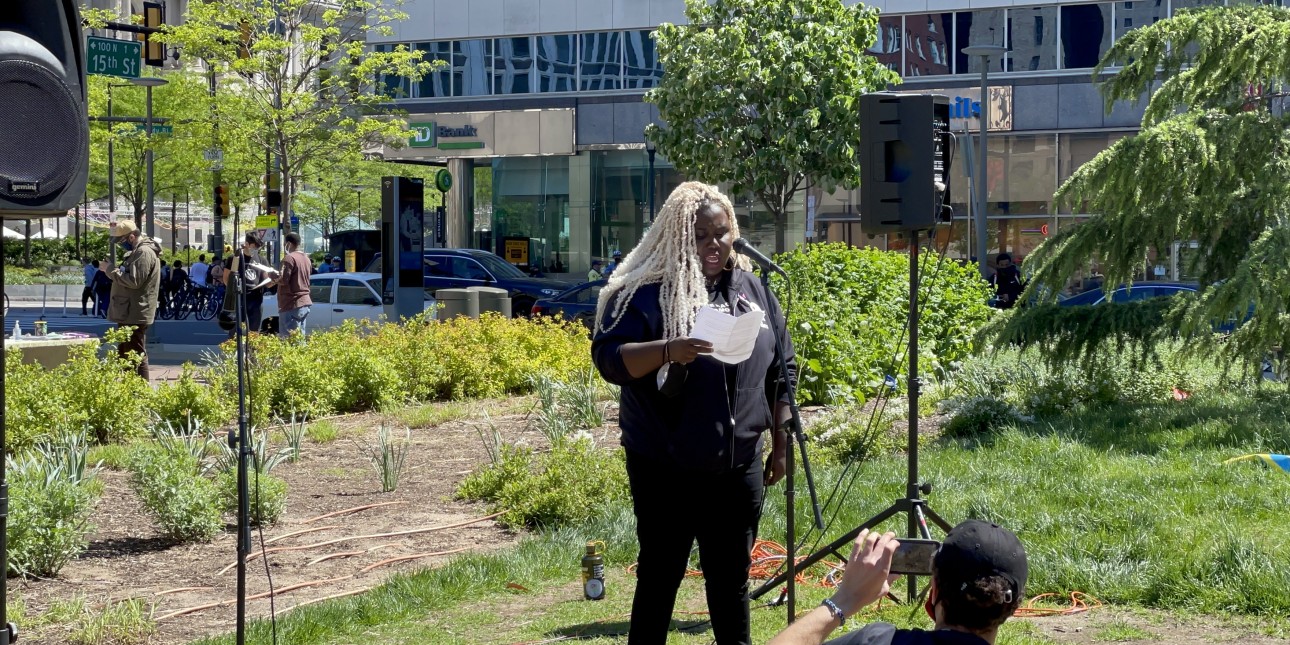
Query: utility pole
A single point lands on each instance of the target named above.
(217, 238)
(174, 230)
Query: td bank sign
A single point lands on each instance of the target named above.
(445, 137)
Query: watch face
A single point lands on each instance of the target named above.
(594, 588)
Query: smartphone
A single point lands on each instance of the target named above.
(914, 557)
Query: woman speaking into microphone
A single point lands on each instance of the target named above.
(692, 426)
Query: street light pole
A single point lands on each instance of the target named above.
(149, 82)
(651, 150)
(986, 52)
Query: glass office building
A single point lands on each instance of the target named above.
(579, 187)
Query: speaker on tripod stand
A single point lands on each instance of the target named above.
(44, 149)
(905, 184)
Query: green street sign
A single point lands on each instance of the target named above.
(156, 129)
(112, 57)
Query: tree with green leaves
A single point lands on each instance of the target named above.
(348, 188)
(1211, 167)
(764, 94)
(300, 75)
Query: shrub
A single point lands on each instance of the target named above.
(388, 457)
(51, 494)
(31, 404)
(980, 415)
(95, 394)
(849, 434)
(268, 495)
(568, 485)
(849, 308)
(183, 503)
(366, 366)
(188, 400)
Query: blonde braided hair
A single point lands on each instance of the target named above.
(667, 255)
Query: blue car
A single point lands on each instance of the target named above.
(577, 304)
(1125, 293)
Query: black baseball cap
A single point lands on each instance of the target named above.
(976, 549)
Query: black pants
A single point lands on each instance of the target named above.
(138, 344)
(87, 297)
(673, 509)
(254, 311)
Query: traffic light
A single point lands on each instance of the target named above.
(222, 209)
(244, 40)
(273, 190)
(154, 51)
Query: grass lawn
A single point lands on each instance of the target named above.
(1130, 504)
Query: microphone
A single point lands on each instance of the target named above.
(742, 247)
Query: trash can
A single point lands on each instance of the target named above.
(494, 299)
(457, 302)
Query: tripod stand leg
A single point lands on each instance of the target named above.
(936, 519)
(831, 549)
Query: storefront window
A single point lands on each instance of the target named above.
(643, 69)
(390, 85)
(887, 47)
(1086, 34)
(978, 28)
(438, 82)
(557, 63)
(472, 63)
(513, 65)
(929, 44)
(601, 61)
(1032, 39)
(531, 201)
(1075, 150)
(619, 200)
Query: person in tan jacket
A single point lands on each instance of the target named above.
(135, 286)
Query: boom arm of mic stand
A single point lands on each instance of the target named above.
(795, 410)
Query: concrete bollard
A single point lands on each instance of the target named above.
(494, 299)
(457, 302)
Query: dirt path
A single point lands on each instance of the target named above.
(129, 558)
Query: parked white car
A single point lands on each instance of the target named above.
(337, 297)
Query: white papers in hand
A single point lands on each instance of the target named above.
(733, 339)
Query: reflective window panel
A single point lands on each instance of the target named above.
(886, 48)
(472, 63)
(601, 61)
(438, 82)
(557, 63)
(1086, 34)
(929, 43)
(642, 68)
(1032, 39)
(513, 65)
(978, 28)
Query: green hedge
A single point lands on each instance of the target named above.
(848, 310)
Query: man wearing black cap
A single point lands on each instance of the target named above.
(978, 581)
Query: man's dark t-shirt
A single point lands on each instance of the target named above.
(887, 634)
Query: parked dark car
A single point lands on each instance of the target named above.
(577, 304)
(1124, 293)
(461, 268)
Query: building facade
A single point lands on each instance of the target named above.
(538, 112)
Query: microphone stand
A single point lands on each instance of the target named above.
(238, 440)
(789, 492)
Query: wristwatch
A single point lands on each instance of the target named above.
(835, 610)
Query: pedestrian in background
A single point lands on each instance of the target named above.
(325, 267)
(293, 288)
(102, 287)
(613, 264)
(252, 279)
(594, 273)
(1006, 282)
(87, 294)
(135, 287)
(199, 271)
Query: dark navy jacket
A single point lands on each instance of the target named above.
(715, 423)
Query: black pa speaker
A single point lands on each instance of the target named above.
(905, 141)
(44, 144)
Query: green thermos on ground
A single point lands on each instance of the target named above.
(593, 573)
